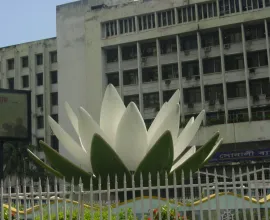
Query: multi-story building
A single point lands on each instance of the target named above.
(215, 52)
(33, 66)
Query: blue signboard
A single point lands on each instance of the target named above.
(247, 155)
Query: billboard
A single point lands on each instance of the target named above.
(15, 115)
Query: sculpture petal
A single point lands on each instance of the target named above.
(75, 151)
(105, 161)
(159, 158)
(64, 166)
(72, 117)
(162, 114)
(170, 123)
(112, 110)
(44, 165)
(131, 137)
(194, 162)
(188, 134)
(87, 128)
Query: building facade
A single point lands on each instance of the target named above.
(33, 66)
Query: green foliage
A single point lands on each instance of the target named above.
(164, 212)
(96, 215)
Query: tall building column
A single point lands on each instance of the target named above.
(201, 73)
(17, 64)
(120, 71)
(246, 71)
(178, 43)
(224, 86)
(267, 46)
(160, 90)
(139, 60)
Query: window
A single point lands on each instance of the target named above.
(167, 95)
(213, 92)
(53, 56)
(10, 64)
(148, 49)
(151, 100)
(251, 4)
(190, 68)
(25, 81)
(54, 77)
(192, 95)
(186, 14)
(24, 61)
(257, 59)
(112, 55)
(168, 46)
(40, 122)
(55, 117)
(170, 71)
(54, 143)
(129, 52)
(130, 77)
(212, 65)
(259, 86)
(39, 101)
(235, 90)
(54, 98)
(210, 39)
(228, 7)
(232, 36)
(10, 82)
(234, 62)
(207, 10)
(166, 18)
(39, 59)
(39, 79)
(110, 28)
(113, 78)
(146, 21)
(255, 32)
(149, 74)
(132, 98)
(127, 25)
(189, 43)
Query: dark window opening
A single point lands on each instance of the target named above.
(25, 62)
(151, 100)
(130, 77)
(190, 68)
(112, 55)
(39, 79)
(148, 49)
(234, 62)
(129, 52)
(113, 78)
(236, 90)
(10, 64)
(170, 71)
(150, 74)
(39, 100)
(53, 56)
(39, 59)
(132, 98)
(40, 122)
(168, 46)
(10, 82)
(232, 36)
(189, 43)
(25, 81)
(54, 77)
(210, 39)
(192, 95)
(54, 98)
(212, 65)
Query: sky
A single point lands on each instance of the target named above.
(27, 20)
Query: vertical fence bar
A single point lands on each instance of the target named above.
(64, 198)
(175, 196)
(17, 199)
(109, 197)
(40, 199)
(242, 194)
(158, 191)
(183, 193)
(71, 198)
(125, 194)
(217, 194)
(116, 197)
(264, 195)
(2, 200)
(48, 198)
(256, 192)
(192, 194)
(208, 196)
(56, 198)
(80, 199)
(249, 194)
(32, 198)
(9, 198)
(200, 193)
(150, 195)
(24, 199)
(142, 196)
(235, 194)
(99, 196)
(225, 188)
(167, 195)
(133, 197)
(91, 198)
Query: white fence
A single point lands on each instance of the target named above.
(221, 195)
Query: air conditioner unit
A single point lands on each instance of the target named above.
(167, 82)
(227, 46)
(207, 49)
(186, 52)
(252, 70)
(197, 77)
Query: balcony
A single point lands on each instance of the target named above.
(237, 103)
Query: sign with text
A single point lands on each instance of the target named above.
(15, 115)
(247, 155)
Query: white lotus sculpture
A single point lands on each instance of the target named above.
(121, 144)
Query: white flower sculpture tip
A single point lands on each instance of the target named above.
(123, 128)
